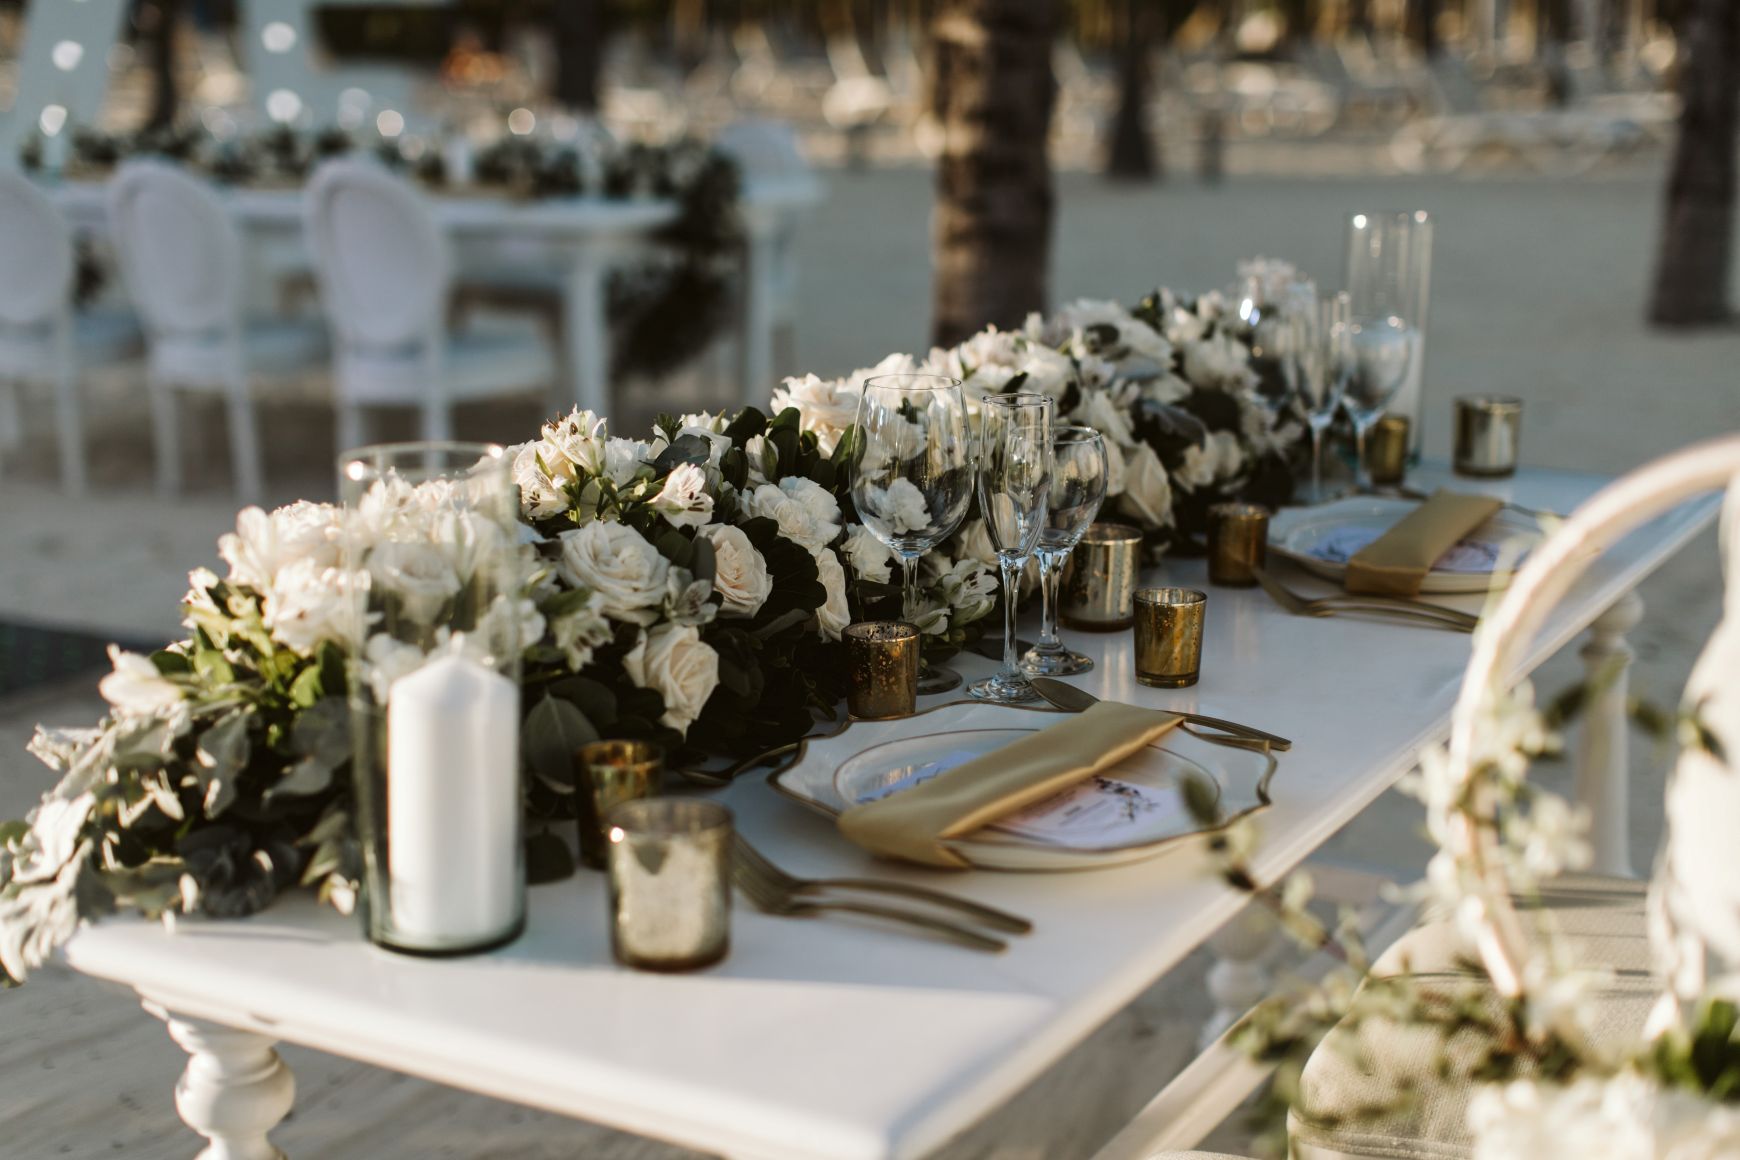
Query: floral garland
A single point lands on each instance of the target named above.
(689, 588)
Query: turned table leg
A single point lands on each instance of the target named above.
(1603, 754)
(235, 1088)
(1239, 978)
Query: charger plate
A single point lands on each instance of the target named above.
(863, 756)
(1322, 537)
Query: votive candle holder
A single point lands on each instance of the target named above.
(1169, 625)
(611, 773)
(882, 664)
(670, 883)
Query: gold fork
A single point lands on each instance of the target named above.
(1383, 605)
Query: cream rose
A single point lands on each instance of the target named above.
(308, 604)
(739, 573)
(835, 613)
(804, 510)
(870, 558)
(1147, 490)
(676, 663)
(617, 563)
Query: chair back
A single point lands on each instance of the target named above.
(383, 264)
(33, 237)
(181, 254)
(1679, 933)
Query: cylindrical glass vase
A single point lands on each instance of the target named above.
(432, 552)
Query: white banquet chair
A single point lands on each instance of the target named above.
(43, 340)
(181, 255)
(385, 277)
(767, 149)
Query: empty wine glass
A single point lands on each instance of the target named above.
(1389, 276)
(1383, 349)
(1014, 489)
(912, 478)
(1078, 484)
(1324, 360)
(1264, 324)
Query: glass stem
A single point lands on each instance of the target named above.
(1050, 572)
(1316, 463)
(1011, 568)
(909, 588)
(1359, 430)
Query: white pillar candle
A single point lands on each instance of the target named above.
(453, 802)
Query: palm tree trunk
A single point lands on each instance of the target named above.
(1130, 153)
(992, 228)
(1697, 238)
(580, 31)
(163, 16)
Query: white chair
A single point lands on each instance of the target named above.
(182, 258)
(385, 274)
(770, 149)
(42, 339)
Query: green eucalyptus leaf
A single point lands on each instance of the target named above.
(171, 664)
(321, 737)
(548, 859)
(223, 752)
(749, 423)
(554, 731)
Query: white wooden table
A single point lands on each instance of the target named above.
(587, 237)
(825, 1039)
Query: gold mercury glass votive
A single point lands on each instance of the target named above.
(1238, 543)
(670, 883)
(882, 662)
(1169, 636)
(1487, 429)
(610, 773)
(1100, 578)
(1386, 449)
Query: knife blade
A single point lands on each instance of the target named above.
(1074, 700)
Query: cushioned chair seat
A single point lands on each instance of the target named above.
(478, 362)
(271, 347)
(99, 336)
(1602, 923)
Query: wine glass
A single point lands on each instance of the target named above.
(1324, 359)
(1389, 277)
(1078, 484)
(1383, 348)
(912, 478)
(1014, 490)
(1271, 330)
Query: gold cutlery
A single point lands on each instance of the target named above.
(1074, 700)
(1434, 614)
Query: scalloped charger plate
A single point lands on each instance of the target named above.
(1322, 537)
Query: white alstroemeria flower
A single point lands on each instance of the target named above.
(308, 604)
(1085, 320)
(1591, 1119)
(579, 439)
(617, 563)
(421, 575)
(674, 661)
(805, 511)
(541, 492)
(688, 600)
(582, 631)
(968, 588)
(55, 838)
(262, 543)
(827, 407)
(1147, 496)
(37, 919)
(626, 460)
(1049, 371)
(740, 574)
(135, 687)
(1218, 361)
(870, 558)
(684, 500)
(835, 613)
(710, 421)
(1216, 459)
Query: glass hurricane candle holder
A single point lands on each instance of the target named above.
(433, 566)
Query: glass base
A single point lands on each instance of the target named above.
(1003, 689)
(936, 679)
(1061, 662)
(1168, 682)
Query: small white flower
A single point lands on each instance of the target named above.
(739, 573)
(616, 562)
(261, 543)
(1099, 410)
(684, 500)
(1219, 361)
(805, 511)
(582, 631)
(136, 687)
(385, 660)
(626, 460)
(869, 557)
(969, 589)
(835, 613)
(674, 661)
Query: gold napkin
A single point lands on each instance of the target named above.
(1396, 563)
(912, 824)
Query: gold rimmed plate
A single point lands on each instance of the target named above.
(865, 758)
(1322, 538)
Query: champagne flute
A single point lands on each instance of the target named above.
(1014, 490)
(912, 478)
(1078, 485)
(1389, 276)
(1324, 359)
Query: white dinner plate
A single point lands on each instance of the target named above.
(831, 773)
(1322, 538)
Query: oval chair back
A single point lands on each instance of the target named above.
(181, 254)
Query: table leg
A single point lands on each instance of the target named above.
(235, 1088)
(1239, 979)
(1603, 752)
(755, 340)
(586, 327)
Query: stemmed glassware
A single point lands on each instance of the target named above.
(1078, 485)
(1015, 440)
(1268, 329)
(1323, 360)
(912, 478)
(1383, 347)
(1389, 276)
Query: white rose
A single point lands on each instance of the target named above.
(581, 631)
(684, 500)
(896, 509)
(713, 423)
(1147, 490)
(835, 613)
(261, 543)
(1048, 371)
(541, 495)
(1114, 469)
(579, 438)
(617, 563)
(625, 460)
(136, 687)
(805, 511)
(676, 663)
(1100, 411)
(1131, 336)
(422, 576)
(870, 558)
(308, 604)
(825, 407)
(739, 573)
(1221, 361)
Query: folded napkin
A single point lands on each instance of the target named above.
(912, 825)
(1396, 563)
